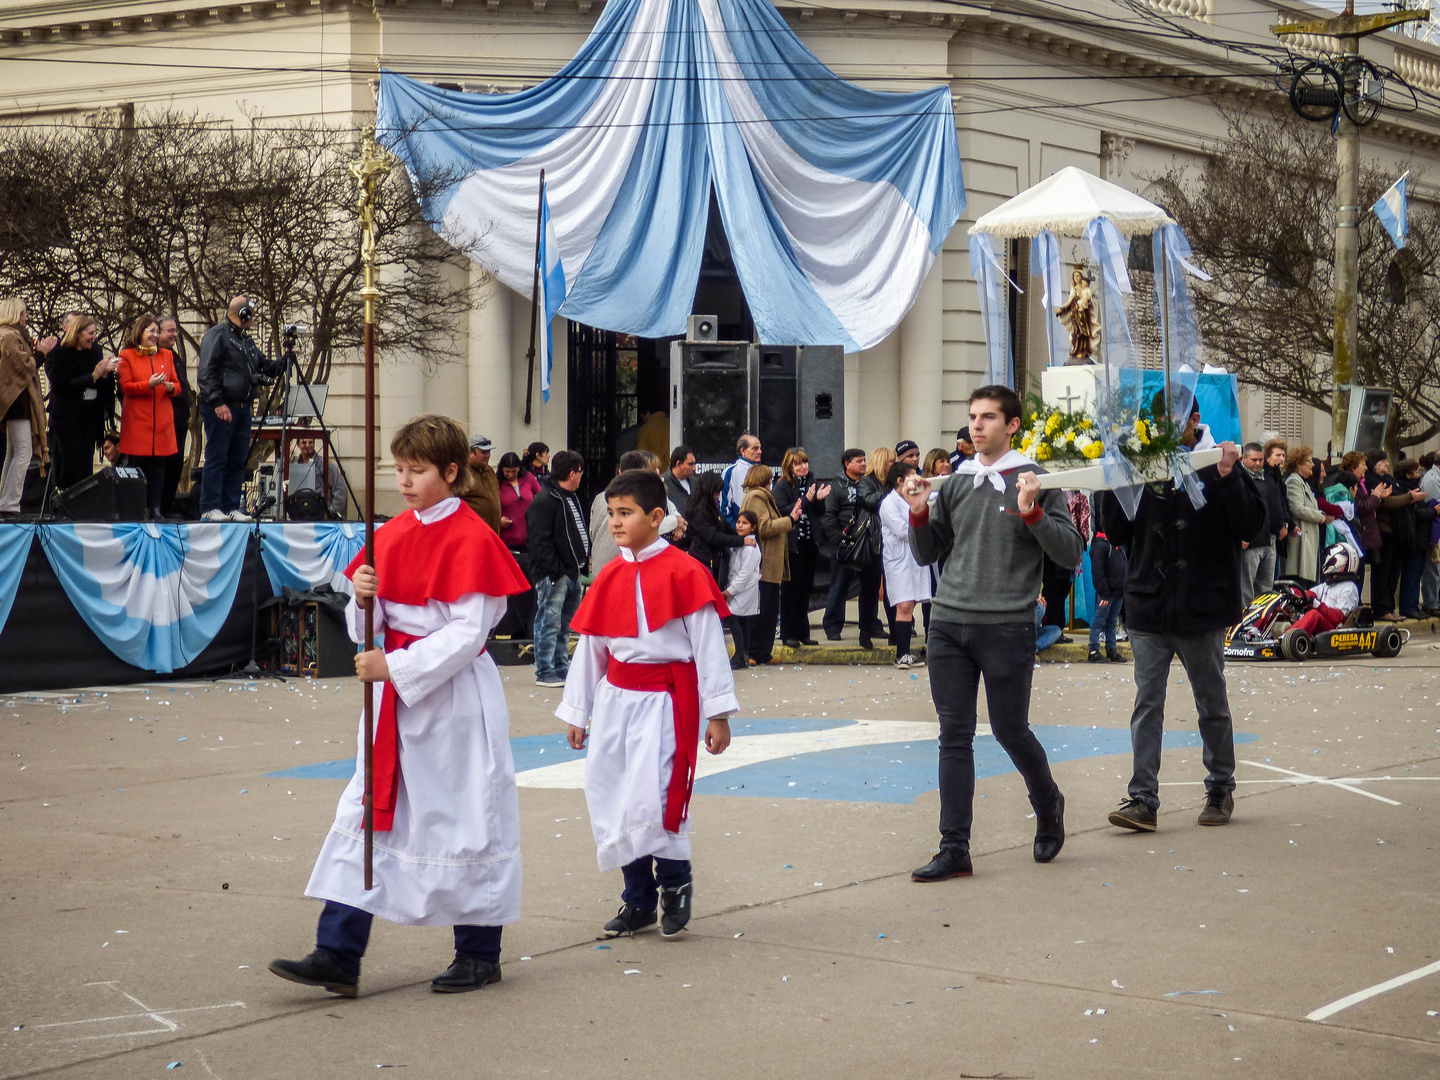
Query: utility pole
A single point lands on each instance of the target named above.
(1347, 29)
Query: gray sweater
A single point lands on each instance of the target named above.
(993, 556)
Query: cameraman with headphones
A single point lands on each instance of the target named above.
(231, 368)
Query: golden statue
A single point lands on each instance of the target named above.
(1080, 318)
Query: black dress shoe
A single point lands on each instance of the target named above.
(1050, 832)
(831, 637)
(949, 863)
(791, 643)
(317, 969)
(809, 641)
(465, 974)
(866, 643)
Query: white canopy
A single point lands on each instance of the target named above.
(1067, 202)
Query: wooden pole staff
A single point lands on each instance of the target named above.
(369, 170)
(534, 302)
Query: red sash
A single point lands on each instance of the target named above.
(677, 678)
(387, 739)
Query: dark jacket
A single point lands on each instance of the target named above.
(808, 527)
(1185, 564)
(1277, 508)
(181, 402)
(1367, 522)
(229, 361)
(839, 509)
(677, 494)
(555, 533)
(76, 399)
(1108, 567)
(1276, 475)
(711, 540)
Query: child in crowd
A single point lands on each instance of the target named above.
(649, 665)
(1341, 493)
(446, 816)
(742, 589)
(1108, 568)
(1338, 593)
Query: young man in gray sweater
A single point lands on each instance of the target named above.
(991, 522)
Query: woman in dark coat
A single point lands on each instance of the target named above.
(82, 398)
(796, 483)
(710, 537)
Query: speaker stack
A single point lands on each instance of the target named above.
(115, 493)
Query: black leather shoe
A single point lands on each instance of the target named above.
(831, 637)
(866, 643)
(1050, 832)
(317, 969)
(790, 643)
(949, 863)
(1134, 814)
(675, 909)
(465, 974)
(810, 641)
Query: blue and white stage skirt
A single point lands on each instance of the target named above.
(304, 555)
(155, 595)
(14, 550)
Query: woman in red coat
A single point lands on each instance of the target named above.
(147, 419)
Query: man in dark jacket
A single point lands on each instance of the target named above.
(840, 509)
(559, 546)
(229, 363)
(1108, 569)
(1258, 573)
(180, 405)
(1182, 592)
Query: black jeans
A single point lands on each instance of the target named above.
(795, 593)
(738, 625)
(154, 470)
(841, 578)
(1004, 654)
(174, 466)
(1385, 577)
(760, 629)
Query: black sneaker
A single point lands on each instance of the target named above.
(1218, 808)
(1113, 655)
(948, 863)
(1133, 814)
(675, 904)
(630, 920)
(465, 974)
(1094, 656)
(317, 969)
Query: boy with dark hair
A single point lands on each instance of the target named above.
(559, 546)
(649, 665)
(993, 526)
(446, 816)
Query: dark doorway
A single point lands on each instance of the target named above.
(615, 378)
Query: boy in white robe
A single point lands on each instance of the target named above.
(446, 815)
(650, 663)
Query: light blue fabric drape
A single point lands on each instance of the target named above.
(994, 312)
(303, 555)
(1045, 256)
(14, 551)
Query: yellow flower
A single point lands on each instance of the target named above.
(1052, 424)
(1094, 450)
(1141, 433)
(1043, 453)
(1086, 425)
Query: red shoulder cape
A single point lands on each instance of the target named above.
(454, 557)
(673, 584)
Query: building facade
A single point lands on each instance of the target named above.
(1124, 90)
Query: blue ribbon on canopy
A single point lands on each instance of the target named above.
(994, 312)
(1119, 383)
(14, 551)
(1045, 254)
(303, 555)
(1176, 316)
(155, 595)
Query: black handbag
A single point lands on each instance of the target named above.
(859, 540)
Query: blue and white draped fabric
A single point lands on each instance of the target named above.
(1045, 255)
(835, 199)
(1393, 210)
(14, 551)
(155, 595)
(994, 312)
(1179, 332)
(303, 555)
(1119, 384)
(551, 283)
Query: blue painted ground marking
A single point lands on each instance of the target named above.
(896, 772)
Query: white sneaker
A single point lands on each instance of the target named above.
(215, 515)
(240, 515)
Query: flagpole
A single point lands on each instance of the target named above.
(534, 302)
(369, 170)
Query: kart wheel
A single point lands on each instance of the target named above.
(1297, 645)
(1388, 642)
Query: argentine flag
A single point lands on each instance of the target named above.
(551, 289)
(1392, 209)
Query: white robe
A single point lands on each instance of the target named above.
(453, 856)
(631, 751)
(905, 579)
(743, 584)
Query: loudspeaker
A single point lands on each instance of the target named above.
(701, 328)
(821, 407)
(709, 397)
(115, 493)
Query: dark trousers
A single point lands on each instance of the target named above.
(344, 932)
(647, 875)
(795, 593)
(1412, 569)
(226, 448)
(760, 631)
(1004, 654)
(1203, 656)
(1055, 588)
(1385, 578)
(737, 625)
(841, 578)
(175, 466)
(72, 452)
(154, 470)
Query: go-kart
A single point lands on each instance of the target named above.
(1265, 631)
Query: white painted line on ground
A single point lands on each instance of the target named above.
(1306, 778)
(1278, 780)
(1374, 991)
